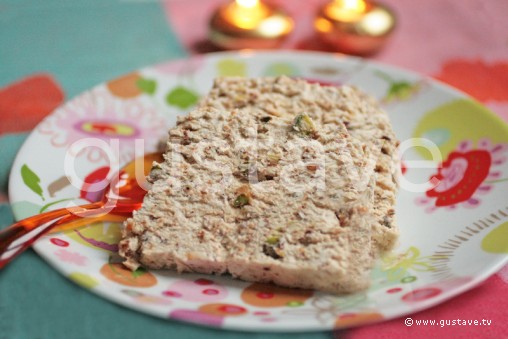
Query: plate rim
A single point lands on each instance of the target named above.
(480, 276)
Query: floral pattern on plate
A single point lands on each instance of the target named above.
(466, 174)
(423, 271)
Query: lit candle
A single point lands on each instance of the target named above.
(249, 24)
(355, 26)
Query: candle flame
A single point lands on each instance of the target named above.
(358, 6)
(346, 10)
(323, 25)
(378, 22)
(247, 3)
(246, 14)
(275, 26)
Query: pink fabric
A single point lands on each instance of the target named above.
(488, 301)
(463, 43)
(432, 37)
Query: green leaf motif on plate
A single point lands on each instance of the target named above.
(398, 265)
(83, 279)
(182, 97)
(281, 68)
(230, 67)
(495, 242)
(399, 90)
(148, 86)
(463, 119)
(139, 272)
(31, 180)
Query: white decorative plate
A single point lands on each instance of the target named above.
(452, 236)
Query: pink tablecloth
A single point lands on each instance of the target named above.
(463, 43)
